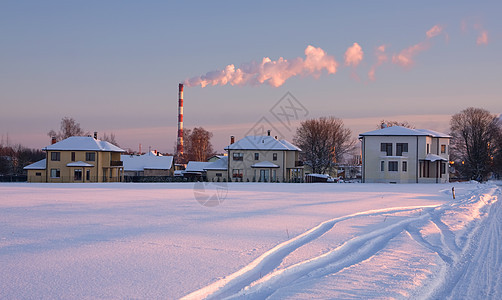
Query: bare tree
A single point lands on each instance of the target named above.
(388, 123)
(69, 127)
(324, 142)
(110, 139)
(197, 144)
(475, 142)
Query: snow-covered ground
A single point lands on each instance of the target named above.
(78, 241)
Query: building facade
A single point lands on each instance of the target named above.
(402, 155)
(264, 159)
(78, 159)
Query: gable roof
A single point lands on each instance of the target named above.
(146, 161)
(83, 143)
(39, 165)
(220, 164)
(404, 131)
(197, 166)
(262, 143)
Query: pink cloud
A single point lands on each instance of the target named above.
(434, 31)
(381, 57)
(405, 57)
(354, 55)
(482, 38)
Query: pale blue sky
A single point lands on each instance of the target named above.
(114, 66)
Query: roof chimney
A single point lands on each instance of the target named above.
(268, 132)
(95, 135)
(232, 139)
(53, 140)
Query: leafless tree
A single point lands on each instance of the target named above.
(388, 123)
(110, 139)
(475, 142)
(69, 127)
(324, 142)
(197, 145)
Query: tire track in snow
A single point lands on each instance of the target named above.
(267, 262)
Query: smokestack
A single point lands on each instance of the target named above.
(95, 135)
(180, 119)
(268, 132)
(53, 140)
(232, 139)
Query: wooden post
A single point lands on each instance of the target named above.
(453, 192)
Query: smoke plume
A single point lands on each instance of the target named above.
(272, 72)
(405, 57)
(353, 55)
(381, 58)
(482, 38)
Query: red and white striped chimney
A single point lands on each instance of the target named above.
(180, 120)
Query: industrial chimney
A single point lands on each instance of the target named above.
(179, 147)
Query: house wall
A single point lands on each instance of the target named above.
(158, 172)
(285, 161)
(33, 177)
(212, 175)
(418, 170)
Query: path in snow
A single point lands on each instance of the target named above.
(460, 227)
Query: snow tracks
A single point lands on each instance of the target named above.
(264, 276)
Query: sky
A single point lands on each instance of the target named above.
(114, 66)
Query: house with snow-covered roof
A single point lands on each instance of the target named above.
(263, 159)
(149, 164)
(403, 155)
(78, 159)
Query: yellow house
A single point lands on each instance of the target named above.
(78, 159)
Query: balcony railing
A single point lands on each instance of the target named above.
(116, 163)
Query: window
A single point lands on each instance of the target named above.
(405, 166)
(443, 168)
(382, 166)
(219, 174)
(88, 175)
(428, 150)
(443, 148)
(73, 156)
(55, 173)
(90, 156)
(274, 156)
(256, 156)
(55, 156)
(386, 147)
(238, 156)
(237, 173)
(400, 148)
(77, 174)
(393, 166)
(38, 174)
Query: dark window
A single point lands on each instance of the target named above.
(443, 148)
(73, 156)
(38, 174)
(55, 156)
(400, 148)
(219, 174)
(87, 175)
(256, 156)
(386, 147)
(90, 156)
(443, 168)
(382, 166)
(77, 174)
(238, 156)
(428, 150)
(405, 166)
(274, 156)
(237, 173)
(55, 173)
(393, 166)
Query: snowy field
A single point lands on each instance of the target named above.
(294, 241)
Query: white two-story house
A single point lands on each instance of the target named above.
(263, 159)
(402, 155)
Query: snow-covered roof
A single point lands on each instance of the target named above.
(39, 165)
(146, 161)
(197, 166)
(264, 164)
(83, 143)
(220, 164)
(262, 143)
(79, 164)
(404, 131)
(434, 157)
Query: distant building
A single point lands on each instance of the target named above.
(78, 159)
(148, 164)
(213, 170)
(402, 155)
(264, 159)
